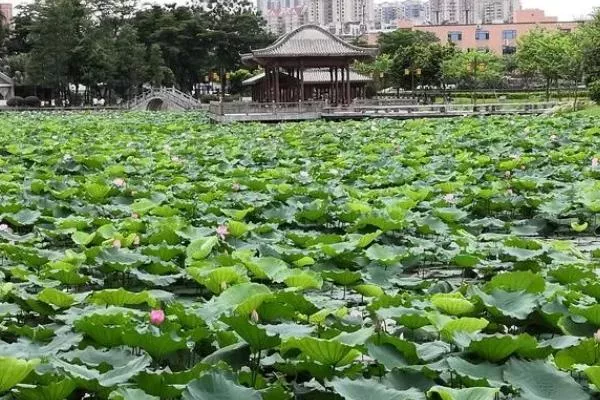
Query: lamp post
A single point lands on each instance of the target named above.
(473, 67)
(414, 71)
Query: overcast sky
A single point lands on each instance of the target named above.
(565, 9)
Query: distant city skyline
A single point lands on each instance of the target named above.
(562, 9)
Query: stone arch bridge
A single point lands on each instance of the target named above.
(164, 99)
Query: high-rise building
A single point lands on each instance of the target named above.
(452, 12)
(6, 12)
(341, 17)
(472, 11)
(500, 11)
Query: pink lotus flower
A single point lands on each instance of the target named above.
(5, 228)
(222, 232)
(236, 187)
(449, 198)
(157, 317)
(119, 182)
(116, 244)
(135, 216)
(595, 162)
(554, 138)
(176, 159)
(597, 336)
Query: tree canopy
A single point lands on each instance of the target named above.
(113, 47)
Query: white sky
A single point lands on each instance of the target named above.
(564, 9)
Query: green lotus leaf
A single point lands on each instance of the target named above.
(165, 383)
(24, 217)
(481, 374)
(496, 348)
(238, 229)
(385, 254)
(591, 313)
(361, 389)
(477, 393)
(110, 378)
(256, 337)
(538, 380)
(143, 206)
(56, 390)
(408, 317)
(452, 304)
(56, 297)
(450, 215)
(96, 192)
(242, 299)
(593, 374)
(327, 352)
(579, 228)
(82, 238)
(585, 353)
(518, 305)
(303, 279)
(468, 325)
(121, 297)
(369, 290)
(130, 394)
(13, 371)
(215, 386)
(517, 281)
(157, 343)
(121, 259)
(201, 247)
(466, 260)
(237, 215)
(218, 279)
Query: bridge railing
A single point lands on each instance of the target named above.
(452, 108)
(171, 94)
(304, 107)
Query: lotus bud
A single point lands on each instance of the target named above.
(254, 316)
(507, 174)
(116, 244)
(597, 336)
(595, 162)
(449, 198)
(135, 216)
(223, 285)
(136, 240)
(235, 187)
(554, 138)
(4, 228)
(157, 317)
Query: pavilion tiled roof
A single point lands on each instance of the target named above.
(312, 41)
(314, 76)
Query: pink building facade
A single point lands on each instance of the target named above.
(7, 11)
(498, 38)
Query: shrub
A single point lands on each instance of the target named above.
(595, 91)
(32, 101)
(16, 101)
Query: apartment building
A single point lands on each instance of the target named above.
(445, 12)
(500, 38)
(6, 10)
(341, 17)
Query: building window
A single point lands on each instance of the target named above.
(509, 35)
(482, 35)
(509, 50)
(454, 36)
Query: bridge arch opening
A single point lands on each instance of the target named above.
(155, 105)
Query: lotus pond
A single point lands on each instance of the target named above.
(154, 256)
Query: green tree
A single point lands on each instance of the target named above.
(130, 62)
(589, 40)
(237, 78)
(57, 33)
(545, 53)
(474, 69)
(378, 69)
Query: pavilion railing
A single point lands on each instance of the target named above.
(245, 108)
